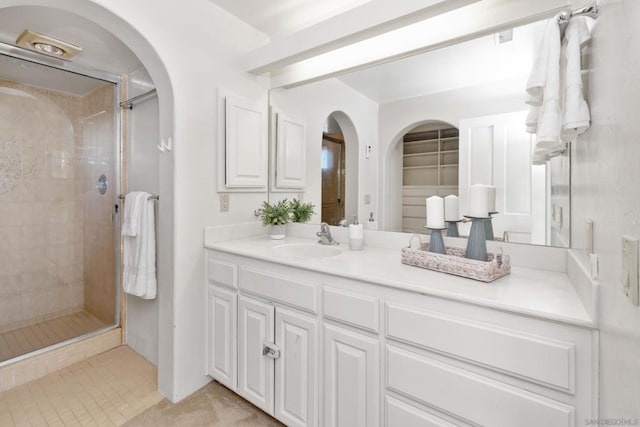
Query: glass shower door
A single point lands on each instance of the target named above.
(57, 242)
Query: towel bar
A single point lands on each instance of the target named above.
(151, 197)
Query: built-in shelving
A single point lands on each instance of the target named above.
(429, 167)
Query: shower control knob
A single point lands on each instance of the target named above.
(102, 184)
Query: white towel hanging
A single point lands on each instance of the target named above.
(139, 246)
(576, 118)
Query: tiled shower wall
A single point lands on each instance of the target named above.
(45, 165)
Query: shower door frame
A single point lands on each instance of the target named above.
(116, 80)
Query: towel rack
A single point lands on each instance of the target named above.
(591, 11)
(151, 197)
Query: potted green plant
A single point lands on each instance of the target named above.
(301, 212)
(276, 216)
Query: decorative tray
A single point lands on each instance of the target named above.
(454, 262)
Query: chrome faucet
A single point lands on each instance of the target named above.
(325, 235)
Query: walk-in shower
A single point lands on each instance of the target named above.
(58, 274)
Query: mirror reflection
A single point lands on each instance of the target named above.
(381, 140)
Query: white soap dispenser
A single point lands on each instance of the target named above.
(356, 235)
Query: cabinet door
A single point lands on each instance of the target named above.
(246, 143)
(222, 336)
(255, 373)
(351, 379)
(296, 369)
(290, 153)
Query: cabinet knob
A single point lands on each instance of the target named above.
(270, 350)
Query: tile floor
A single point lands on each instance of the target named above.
(105, 390)
(116, 388)
(43, 334)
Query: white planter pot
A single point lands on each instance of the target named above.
(278, 232)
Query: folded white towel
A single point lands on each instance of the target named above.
(576, 118)
(139, 248)
(538, 78)
(549, 115)
(131, 222)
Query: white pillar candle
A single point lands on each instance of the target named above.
(492, 198)
(479, 201)
(435, 212)
(451, 208)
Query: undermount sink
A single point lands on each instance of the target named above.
(306, 250)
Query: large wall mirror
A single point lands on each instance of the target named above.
(379, 141)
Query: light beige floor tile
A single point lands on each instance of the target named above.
(86, 393)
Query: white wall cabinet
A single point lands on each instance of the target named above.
(246, 144)
(290, 156)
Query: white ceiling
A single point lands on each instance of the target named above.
(476, 62)
(472, 63)
(279, 18)
(101, 50)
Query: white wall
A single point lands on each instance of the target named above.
(193, 40)
(142, 169)
(396, 118)
(605, 177)
(312, 104)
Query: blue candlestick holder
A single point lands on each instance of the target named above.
(452, 229)
(477, 243)
(488, 226)
(436, 243)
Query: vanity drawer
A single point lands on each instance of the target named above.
(470, 396)
(276, 288)
(222, 273)
(355, 309)
(402, 414)
(539, 359)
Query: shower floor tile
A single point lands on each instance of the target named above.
(43, 334)
(108, 389)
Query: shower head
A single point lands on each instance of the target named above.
(47, 45)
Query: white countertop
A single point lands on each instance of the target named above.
(540, 293)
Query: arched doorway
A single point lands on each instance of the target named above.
(89, 15)
(425, 164)
(339, 166)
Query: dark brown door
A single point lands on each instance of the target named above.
(332, 178)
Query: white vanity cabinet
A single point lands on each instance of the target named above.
(276, 352)
(449, 362)
(222, 319)
(319, 349)
(277, 369)
(351, 379)
(296, 401)
(255, 370)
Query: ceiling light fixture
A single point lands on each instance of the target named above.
(49, 49)
(47, 45)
